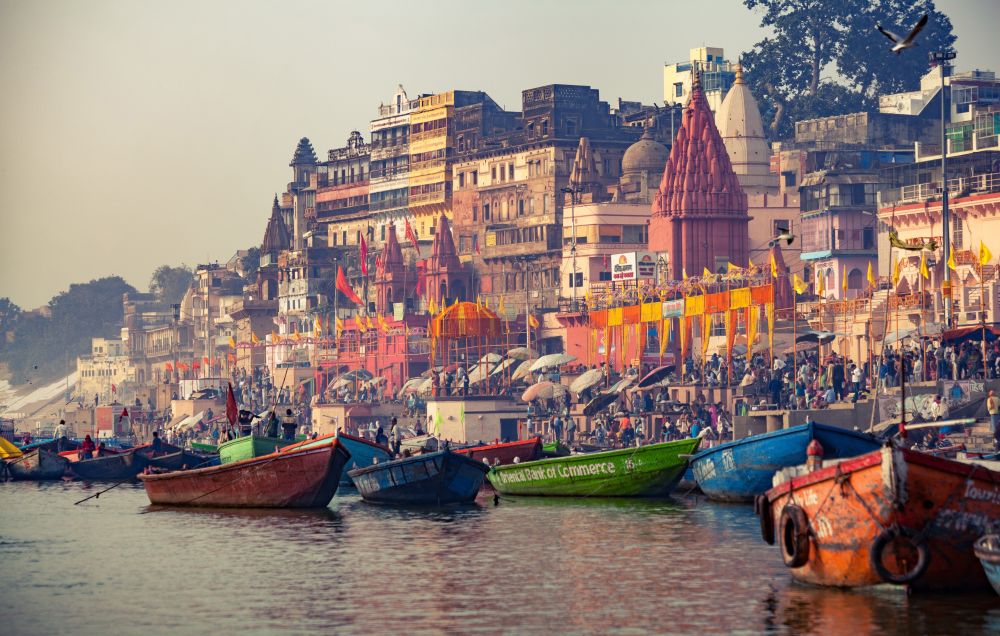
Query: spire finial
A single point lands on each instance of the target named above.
(739, 74)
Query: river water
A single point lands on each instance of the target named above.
(115, 565)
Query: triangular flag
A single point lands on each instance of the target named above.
(985, 256)
(951, 261)
(821, 285)
(232, 411)
(532, 321)
(843, 280)
(923, 267)
(232, 342)
(501, 309)
(253, 338)
(363, 255)
(479, 301)
(345, 287)
(684, 273)
(896, 271)
(432, 307)
(339, 324)
(705, 273)
(774, 266)
(730, 268)
(871, 275)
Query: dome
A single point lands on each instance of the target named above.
(645, 155)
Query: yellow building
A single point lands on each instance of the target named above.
(430, 175)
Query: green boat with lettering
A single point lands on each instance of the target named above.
(645, 471)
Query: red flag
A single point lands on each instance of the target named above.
(232, 411)
(345, 288)
(411, 236)
(364, 255)
(125, 412)
(475, 239)
(114, 389)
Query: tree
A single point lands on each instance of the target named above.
(8, 316)
(250, 263)
(170, 283)
(812, 37)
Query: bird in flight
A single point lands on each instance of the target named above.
(898, 43)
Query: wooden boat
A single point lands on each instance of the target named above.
(441, 477)
(363, 453)
(645, 471)
(302, 478)
(199, 447)
(742, 469)
(36, 464)
(555, 449)
(988, 552)
(248, 447)
(503, 453)
(182, 460)
(110, 467)
(891, 516)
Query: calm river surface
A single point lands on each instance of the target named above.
(117, 566)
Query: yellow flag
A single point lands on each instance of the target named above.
(297, 336)
(985, 256)
(253, 338)
(501, 308)
(455, 304)
(821, 285)
(705, 273)
(533, 321)
(432, 307)
(339, 323)
(750, 264)
(730, 268)
(774, 266)
(843, 280)
(275, 338)
(684, 273)
(318, 327)
(896, 270)
(800, 285)
(923, 267)
(951, 261)
(871, 275)
(383, 325)
(232, 342)
(486, 303)
(479, 300)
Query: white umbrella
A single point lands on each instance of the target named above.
(424, 388)
(588, 379)
(490, 358)
(522, 353)
(480, 372)
(552, 360)
(503, 365)
(544, 391)
(622, 384)
(410, 386)
(522, 371)
(189, 422)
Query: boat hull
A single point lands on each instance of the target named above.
(438, 478)
(363, 453)
(118, 467)
(183, 460)
(646, 471)
(988, 552)
(306, 478)
(740, 470)
(890, 516)
(249, 447)
(505, 452)
(38, 464)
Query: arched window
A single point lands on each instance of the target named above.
(854, 279)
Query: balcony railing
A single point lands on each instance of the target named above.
(960, 186)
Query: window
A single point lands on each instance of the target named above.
(531, 205)
(461, 179)
(382, 232)
(679, 89)
(475, 177)
(531, 130)
(344, 241)
(475, 212)
(486, 211)
(572, 127)
(510, 171)
(778, 226)
(545, 128)
(493, 173)
(958, 234)
(520, 207)
(545, 204)
(868, 238)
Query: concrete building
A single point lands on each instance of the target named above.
(717, 75)
(342, 211)
(105, 372)
(301, 192)
(388, 185)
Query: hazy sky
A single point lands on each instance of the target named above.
(135, 134)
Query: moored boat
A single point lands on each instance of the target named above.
(300, 478)
(36, 464)
(742, 469)
(890, 516)
(438, 478)
(988, 552)
(182, 460)
(363, 453)
(248, 447)
(503, 453)
(645, 471)
(111, 467)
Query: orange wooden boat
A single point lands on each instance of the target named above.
(503, 453)
(891, 516)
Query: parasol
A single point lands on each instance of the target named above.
(552, 360)
(586, 380)
(522, 353)
(544, 391)
(523, 371)
(599, 403)
(656, 376)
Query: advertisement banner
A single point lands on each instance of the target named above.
(623, 266)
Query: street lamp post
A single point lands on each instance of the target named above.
(942, 58)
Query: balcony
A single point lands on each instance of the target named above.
(958, 187)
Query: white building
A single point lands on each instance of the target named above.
(717, 75)
(104, 372)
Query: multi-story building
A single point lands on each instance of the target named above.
(388, 186)
(911, 198)
(301, 193)
(717, 75)
(342, 194)
(102, 374)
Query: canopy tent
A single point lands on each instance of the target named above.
(969, 334)
(465, 320)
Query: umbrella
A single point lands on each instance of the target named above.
(822, 337)
(802, 346)
(656, 376)
(586, 380)
(425, 387)
(503, 365)
(357, 374)
(599, 403)
(543, 391)
(522, 353)
(411, 386)
(622, 384)
(480, 372)
(490, 358)
(522, 371)
(552, 360)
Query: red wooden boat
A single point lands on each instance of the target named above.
(891, 516)
(304, 478)
(503, 453)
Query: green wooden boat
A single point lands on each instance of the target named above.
(646, 471)
(204, 448)
(249, 447)
(555, 449)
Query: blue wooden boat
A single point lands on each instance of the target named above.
(436, 478)
(988, 551)
(363, 453)
(741, 470)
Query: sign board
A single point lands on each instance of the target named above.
(623, 266)
(491, 239)
(633, 266)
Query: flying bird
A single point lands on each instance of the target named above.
(898, 43)
(783, 235)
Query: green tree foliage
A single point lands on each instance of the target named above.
(827, 58)
(250, 263)
(8, 315)
(40, 343)
(169, 284)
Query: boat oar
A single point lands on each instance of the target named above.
(98, 494)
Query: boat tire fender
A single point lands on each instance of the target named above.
(892, 535)
(762, 506)
(793, 528)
